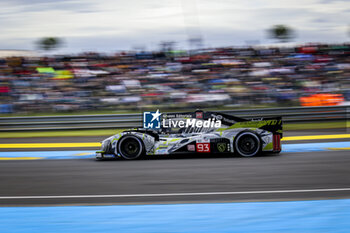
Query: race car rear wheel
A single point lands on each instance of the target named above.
(130, 147)
(247, 144)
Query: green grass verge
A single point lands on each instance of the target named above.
(61, 133)
(108, 132)
(139, 111)
(319, 125)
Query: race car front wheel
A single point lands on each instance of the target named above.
(247, 144)
(130, 147)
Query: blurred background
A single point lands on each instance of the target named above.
(74, 72)
(111, 56)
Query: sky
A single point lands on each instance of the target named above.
(116, 25)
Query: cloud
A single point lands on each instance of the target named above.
(24, 6)
(320, 20)
(332, 1)
(109, 24)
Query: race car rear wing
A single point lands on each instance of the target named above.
(271, 124)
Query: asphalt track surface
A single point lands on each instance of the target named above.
(180, 179)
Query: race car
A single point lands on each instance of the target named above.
(224, 134)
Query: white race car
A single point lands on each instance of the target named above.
(236, 136)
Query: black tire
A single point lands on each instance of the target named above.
(247, 144)
(130, 147)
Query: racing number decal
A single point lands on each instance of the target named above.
(203, 147)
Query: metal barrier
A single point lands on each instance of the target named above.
(110, 121)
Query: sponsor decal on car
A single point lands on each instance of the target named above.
(221, 146)
(191, 147)
(203, 147)
(199, 115)
(161, 151)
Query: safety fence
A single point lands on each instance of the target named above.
(110, 121)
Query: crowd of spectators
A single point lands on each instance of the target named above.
(174, 79)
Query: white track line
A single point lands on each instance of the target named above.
(177, 194)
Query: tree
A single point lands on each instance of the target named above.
(49, 43)
(281, 32)
(167, 46)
